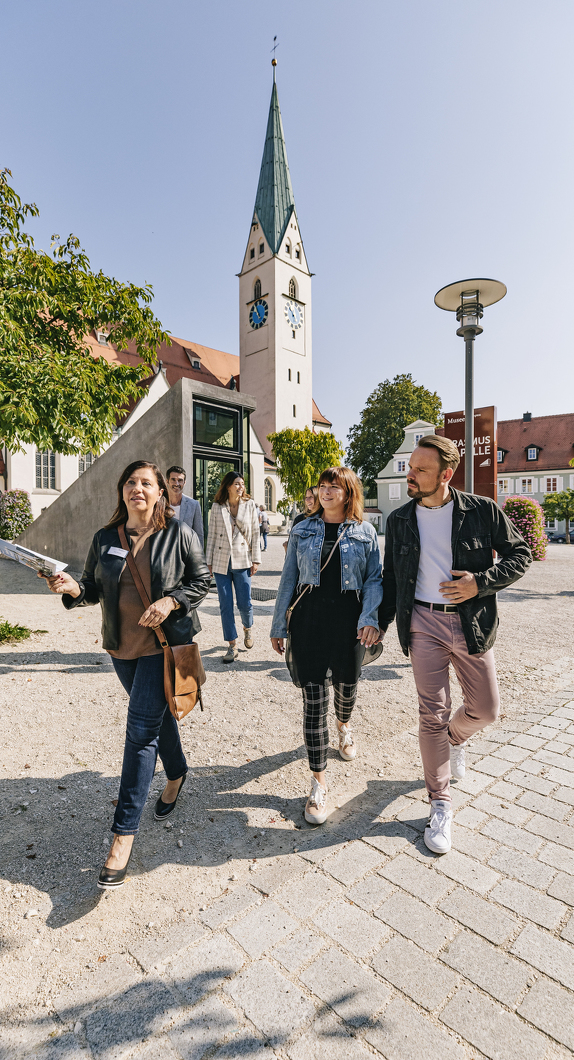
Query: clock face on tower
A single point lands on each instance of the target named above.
(293, 315)
(258, 313)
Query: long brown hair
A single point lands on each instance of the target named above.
(223, 491)
(348, 481)
(162, 512)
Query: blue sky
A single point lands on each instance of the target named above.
(427, 143)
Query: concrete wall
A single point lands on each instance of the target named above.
(163, 436)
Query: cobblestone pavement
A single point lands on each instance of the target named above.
(346, 941)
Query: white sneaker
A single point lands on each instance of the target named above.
(347, 747)
(316, 805)
(457, 761)
(437, 832)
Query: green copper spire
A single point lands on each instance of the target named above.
(274, 202)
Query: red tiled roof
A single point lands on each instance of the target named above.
(318, 417)
(552, 435)
(217, 367)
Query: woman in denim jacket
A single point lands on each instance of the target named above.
(334, 621)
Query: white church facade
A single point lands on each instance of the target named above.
(274, 365)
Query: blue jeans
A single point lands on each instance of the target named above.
(241, 579)
(263, 534)
(150, 730)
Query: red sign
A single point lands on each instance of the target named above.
(485, 465)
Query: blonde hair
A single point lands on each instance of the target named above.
(348, 481)
(447, 452)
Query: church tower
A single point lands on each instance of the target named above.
(275, 298)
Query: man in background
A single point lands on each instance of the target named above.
(185, 508)
(263, 526)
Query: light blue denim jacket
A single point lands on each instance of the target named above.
(360, 568)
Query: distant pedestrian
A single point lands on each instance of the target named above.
(309, 503)
(331, 584)
(170, 562)
(233, 555)
(185, 508)
(263, 526)
(440, 580)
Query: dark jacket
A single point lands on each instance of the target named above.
(178, 569)
(478, 527)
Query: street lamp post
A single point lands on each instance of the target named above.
(467, 298)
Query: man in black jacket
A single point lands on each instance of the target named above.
(440, 582)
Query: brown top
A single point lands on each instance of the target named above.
(134, 640)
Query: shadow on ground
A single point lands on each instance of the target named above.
(58, 847)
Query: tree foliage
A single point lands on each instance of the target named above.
(53, 392)
(527, 516)
(560, 506)
(378, 435)
(301, 457)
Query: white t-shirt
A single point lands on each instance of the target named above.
(435, 531)
(176, 508)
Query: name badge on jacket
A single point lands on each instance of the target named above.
(121, 552)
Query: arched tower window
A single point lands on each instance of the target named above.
(268, 495)
(288, 248)
(292, 288)
(257, 289)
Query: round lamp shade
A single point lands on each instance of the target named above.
(489, 291)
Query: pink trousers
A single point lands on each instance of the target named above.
(436, 640)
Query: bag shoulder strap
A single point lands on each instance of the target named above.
(139, 583)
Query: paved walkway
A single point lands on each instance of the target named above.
(360, 942)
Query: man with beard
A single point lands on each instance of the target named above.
(440, 581)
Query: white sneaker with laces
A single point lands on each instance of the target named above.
(316, 805)
(347, 747)
(437, 832)
(457, 760)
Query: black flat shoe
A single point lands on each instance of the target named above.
(163, 810)
(109, 878)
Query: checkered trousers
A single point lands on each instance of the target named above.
(315, 707)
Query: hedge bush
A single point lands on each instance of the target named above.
(528, 518)
(15, 513)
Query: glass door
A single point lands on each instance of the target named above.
(208, 474)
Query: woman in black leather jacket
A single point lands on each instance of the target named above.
(171, 564)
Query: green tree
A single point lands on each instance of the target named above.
(53, 392)
(560, 506)
(379, 433)
(301, 457)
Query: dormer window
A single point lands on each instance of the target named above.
(251, 253)
(418, 437)
(193, 359)
(532, 452)
(257, 289)
(499, 456)
(261, 249)
(102, 337)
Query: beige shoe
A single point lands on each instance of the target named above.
(231, 654)
(316, 805)
(347, 747)
(247, 638)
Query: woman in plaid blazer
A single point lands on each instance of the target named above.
(233, 555)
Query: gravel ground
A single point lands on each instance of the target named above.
(63, 714)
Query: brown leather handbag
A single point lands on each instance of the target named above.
(183, 673)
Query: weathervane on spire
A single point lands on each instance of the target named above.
(274, 60)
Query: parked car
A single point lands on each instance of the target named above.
(559, 538)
